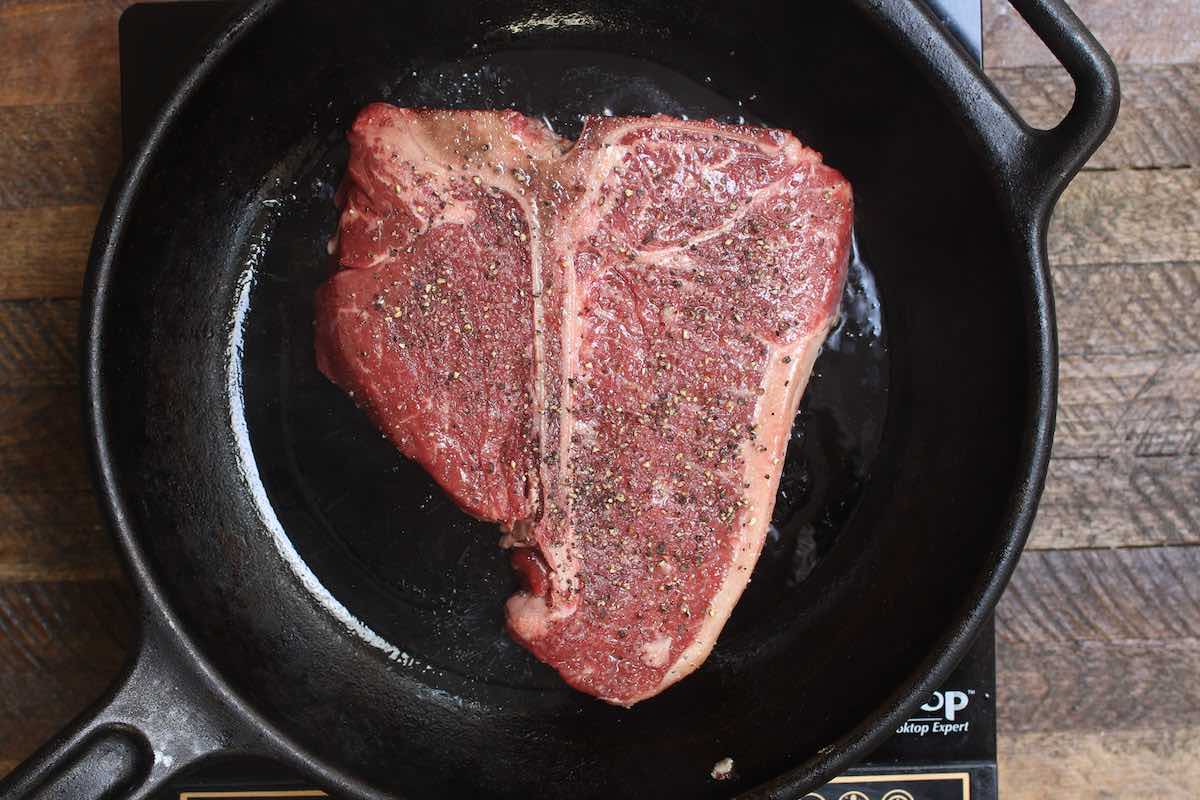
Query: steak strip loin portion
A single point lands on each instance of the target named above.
(600, 346)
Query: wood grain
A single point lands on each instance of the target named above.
(1143, 763)
(58, 53)
(41, 441)
(61, 645)
(1133, 32)
(1132, 595)
(1128, 216)
(1128, 309)
(1144, 406)
(55, 537)
(1097, 674)
(1118, 502)
(1113, 686)
(38, 342)
(1125, 469)
(60, 155)
(1159, 121)
(14, 7)
(46, 251)
(50, 527)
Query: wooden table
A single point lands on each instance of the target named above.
(1098, 636)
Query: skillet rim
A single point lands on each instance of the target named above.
(158, 612)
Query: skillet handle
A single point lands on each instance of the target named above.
(159, 718)
(1032, 166)
(1045, 160)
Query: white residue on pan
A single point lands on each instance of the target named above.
(249, 468)
(542, 22)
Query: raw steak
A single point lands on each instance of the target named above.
(600, 346)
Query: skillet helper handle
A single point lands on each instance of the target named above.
(159, 718)
(1045, 160)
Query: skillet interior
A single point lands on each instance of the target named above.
(252, 480)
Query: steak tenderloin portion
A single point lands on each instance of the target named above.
(599, 346)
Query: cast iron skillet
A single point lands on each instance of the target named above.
(308, 595)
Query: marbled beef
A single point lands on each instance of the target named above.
(600, 346)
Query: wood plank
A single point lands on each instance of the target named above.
(49, 524)
(1147, 762)
(38, 343)
(1098, 674)
(1125, 469)
(1109, 686)
(1159, 121)
(50, 527)
(1138, 595)
(59, 54)
(41, 441)
(1128, 216)
(1118, 502)
(46, 251)
(9, 8)
(55, 537)
(1145, 406)
(1133, 31)
(59, 155)
(1128, 309)
(38, 617)
(61, 645)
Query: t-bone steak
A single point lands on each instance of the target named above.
(600, 346)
